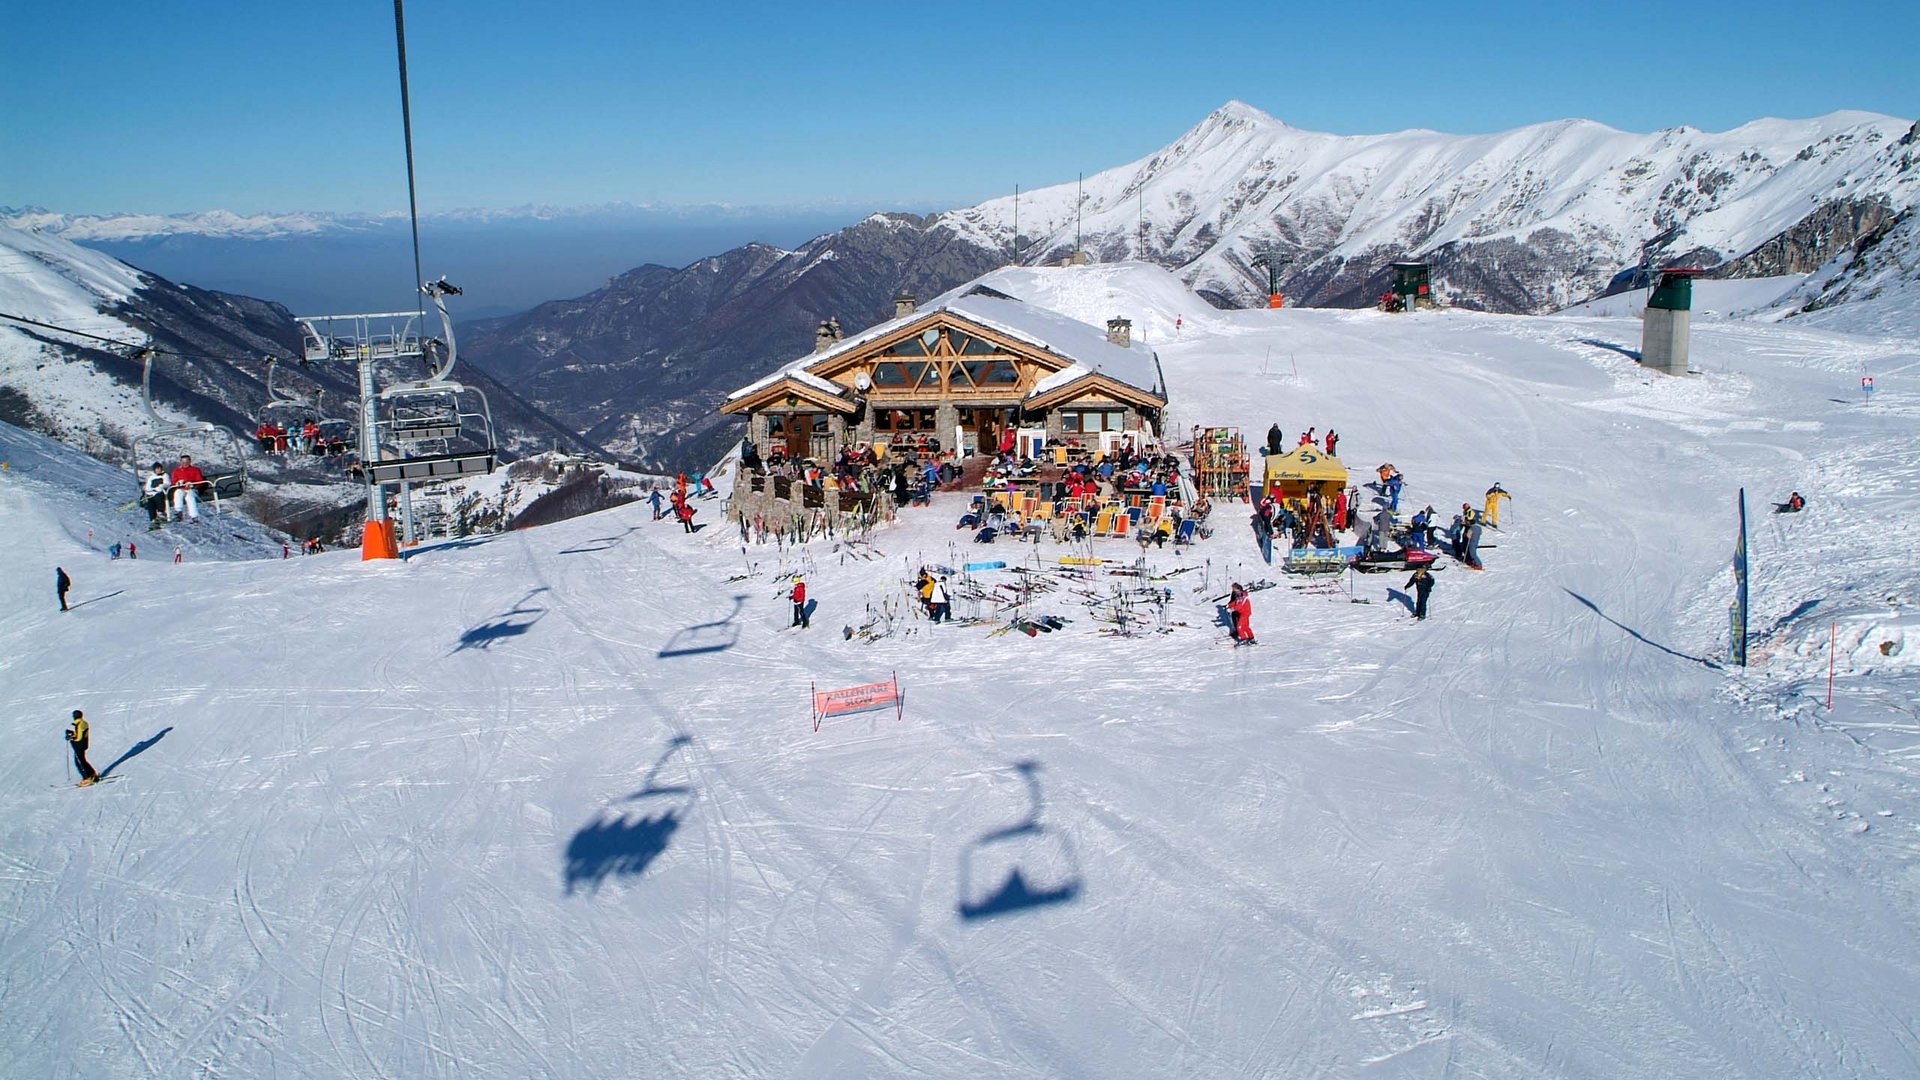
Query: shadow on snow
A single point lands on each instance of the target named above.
(707, 637)
(1025, 865)
(624, 842)
(504, 625)
(1637, 635)
(136, 750)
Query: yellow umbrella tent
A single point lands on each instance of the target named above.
(1290, 476)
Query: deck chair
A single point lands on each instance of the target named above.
(1184, 534)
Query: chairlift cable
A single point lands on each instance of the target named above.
(406, 128)
(136, 347)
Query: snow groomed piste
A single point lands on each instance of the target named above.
(564, 813)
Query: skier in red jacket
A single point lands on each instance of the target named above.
(799, 598)
(1241, 608)
(186, 480)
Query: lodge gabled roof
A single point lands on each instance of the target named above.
(1073, 349)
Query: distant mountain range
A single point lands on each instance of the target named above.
(1523, 221)
(225, 224)
(1528, 220)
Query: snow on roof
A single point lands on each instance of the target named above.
(1084, 345)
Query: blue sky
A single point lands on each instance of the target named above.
(166, 107)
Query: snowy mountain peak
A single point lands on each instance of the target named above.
(1239, 113)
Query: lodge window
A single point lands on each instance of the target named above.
(990, 372)
(901, 375)
(903, 420)
(1091, 421)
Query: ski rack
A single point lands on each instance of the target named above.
(223, 483)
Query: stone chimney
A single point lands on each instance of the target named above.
(1120, 332)
(903, 303)
(824, 336)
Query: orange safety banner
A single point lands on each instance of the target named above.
(856, 699)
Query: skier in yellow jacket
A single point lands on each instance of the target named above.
(77, 735)
(1494, 495)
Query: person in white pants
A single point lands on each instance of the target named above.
(186, 480)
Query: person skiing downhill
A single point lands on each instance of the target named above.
(77, 736)
(655, 500)
(1422, 585)
(61, 583)
(799, 597)
(1494, 495)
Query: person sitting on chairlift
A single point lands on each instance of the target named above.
(186, 481)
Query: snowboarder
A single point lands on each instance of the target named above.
(1794, 504)
(1275, 439)
(154, 489)
(799, 597)
(1333, 440)
(61, 583)
(77, 736)
(1241, 608)
(1494, 495)
(186, 480)
(1422, 585)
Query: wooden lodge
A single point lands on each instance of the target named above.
(950, 378)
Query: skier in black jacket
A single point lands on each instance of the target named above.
(61, 583)
(1422, 585)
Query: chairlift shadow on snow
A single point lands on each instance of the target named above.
(1633, 354)
(1025, 865)
(95, 599)
(708, 637)
(505, 625)
(606, 543)
(1637, 635)
(136, 750)
(447, 545)
(622, 842)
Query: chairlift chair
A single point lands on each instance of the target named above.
(224, 481)
(432, 413)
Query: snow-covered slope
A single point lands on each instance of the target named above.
(550, 803)
(1530, 219)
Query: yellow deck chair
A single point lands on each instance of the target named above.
(1103, 524)
(1059, 455)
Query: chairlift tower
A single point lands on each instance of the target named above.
(1274, 259)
